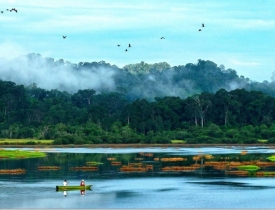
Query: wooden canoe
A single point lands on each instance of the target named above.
(67, 188)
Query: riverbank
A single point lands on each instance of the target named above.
(135, 145)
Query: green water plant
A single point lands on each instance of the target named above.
(248, 167)
(93, 163)
(19, 154)
(271, 158)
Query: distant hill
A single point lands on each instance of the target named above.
(136, 81)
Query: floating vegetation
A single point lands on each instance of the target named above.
(149, 154)
(196, 157)
(174, 159)
(84, 168)
(146, 154)
(180, 168)
(264, 164)
(136, 164)
(217, 165)
(271, 158)
(19, 154)
(133, 169)
(208, 156)
(238, 173)
(149, 167)
(248, 167)
(48, 168)
(269, 173)
(115, 163)
(111, 159)
(93, 163)
(12, 171)
(243, 152)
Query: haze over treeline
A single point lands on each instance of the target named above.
(136, 81)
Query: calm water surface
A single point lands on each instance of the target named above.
(113, 188)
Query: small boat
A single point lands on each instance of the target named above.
(67, 188)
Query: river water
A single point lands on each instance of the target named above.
(142, 178)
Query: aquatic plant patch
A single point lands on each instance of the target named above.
(12, 171)
(93, 163)
(248, 167)
(271, 158)
(48, 168)
(19, 154)
(84, 168)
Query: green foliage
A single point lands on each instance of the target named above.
(18, 154)
(238, 116)
(249, 167)
(176, 141)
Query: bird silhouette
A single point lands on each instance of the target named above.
(126, 50)
(64, 37)
(129, 45)
(2, 12)
(162, 38)
(118, 45)
(199, 29)
(202, 24)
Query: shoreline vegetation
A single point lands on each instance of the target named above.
(19, 154)
(35, 143)
(239, 116)
(118, 146)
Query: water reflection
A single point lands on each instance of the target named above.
(244, 163)
(144, 178)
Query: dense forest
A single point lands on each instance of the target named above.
(197, 103)
(136, 81)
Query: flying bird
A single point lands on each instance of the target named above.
(162, 38)
(202, 24)
(118, 45)
(199, 29)
(64, 37)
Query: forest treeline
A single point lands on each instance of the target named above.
(236, 116)
(136, 81)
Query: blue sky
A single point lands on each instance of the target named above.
(238, 34)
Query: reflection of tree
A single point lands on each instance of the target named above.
(136, 162)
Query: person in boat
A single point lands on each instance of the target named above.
(82, 183)
(65, 183)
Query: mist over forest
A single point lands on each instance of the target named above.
(135, 81)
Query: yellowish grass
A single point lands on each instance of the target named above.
(24, 141)
(175, 141)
